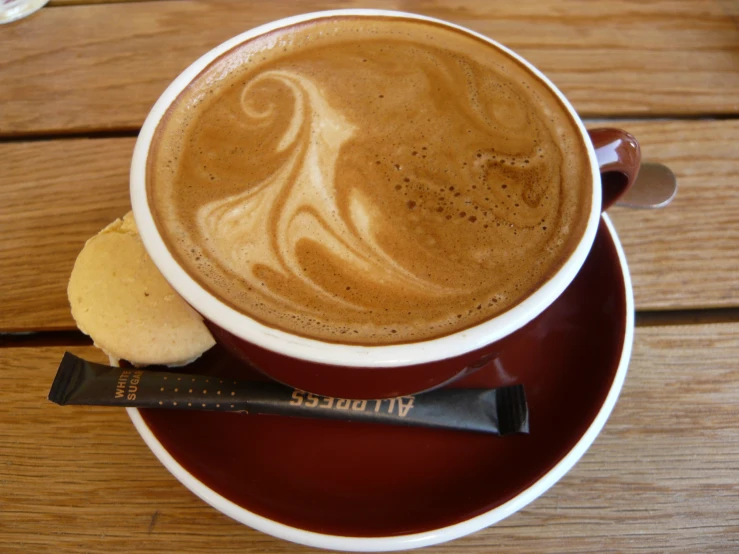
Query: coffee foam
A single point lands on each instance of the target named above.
(369, 180)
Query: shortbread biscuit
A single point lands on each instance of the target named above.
(121, 300)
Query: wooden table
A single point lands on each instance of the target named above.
(76, 81)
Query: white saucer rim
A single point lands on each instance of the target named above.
(426, 538)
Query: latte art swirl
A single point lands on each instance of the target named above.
(262, 226)
(369, 180)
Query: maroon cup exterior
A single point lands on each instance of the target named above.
(389, 370)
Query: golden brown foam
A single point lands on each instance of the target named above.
(369, 180)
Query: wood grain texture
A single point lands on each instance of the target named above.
(687, 254)
(662, 477)
(611, 57)
(55, 195)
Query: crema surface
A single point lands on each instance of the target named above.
(369, 180)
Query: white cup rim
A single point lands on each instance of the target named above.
(311, 350)
(426, 538)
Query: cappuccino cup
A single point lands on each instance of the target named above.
(369, 203)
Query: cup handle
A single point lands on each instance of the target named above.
(619, 157)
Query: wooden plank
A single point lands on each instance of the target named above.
(687, 254)
(54, 195)
(612, 57)
(662, 477)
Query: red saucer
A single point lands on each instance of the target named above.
(364, 480)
